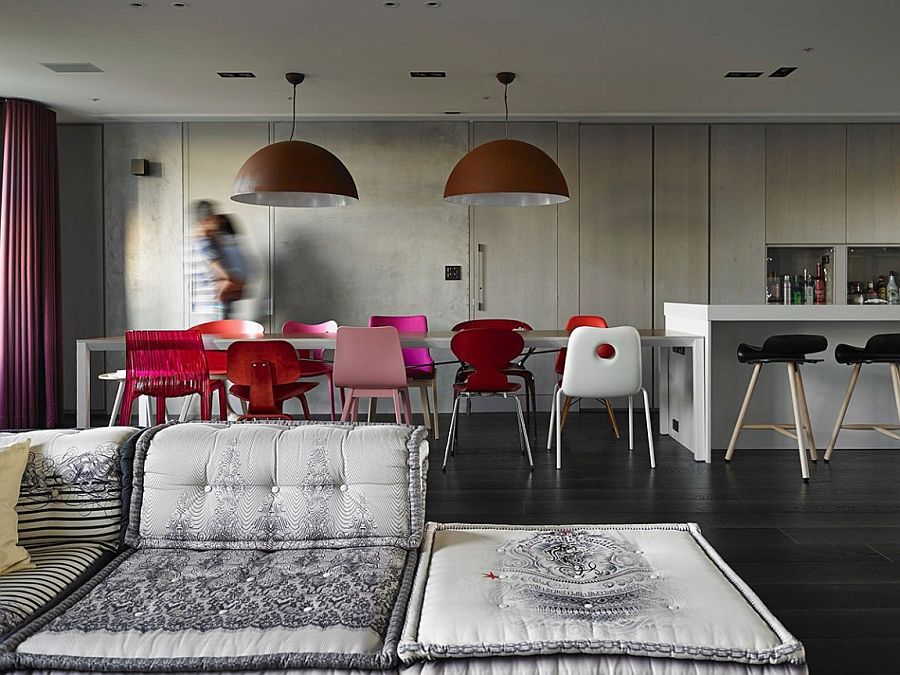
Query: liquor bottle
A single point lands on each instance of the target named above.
(882, 288)
(871, 293)
(786, 293)
(893, 292)
(826, 276)
(819, 289)
(773, 288)
(810, 298)
(798, 290)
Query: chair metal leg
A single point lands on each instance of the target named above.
(804, 411)
(559, 395)
(518, 428)
(552, 417)
(839, 422)
(373, 406)
(185, 408)
(144, 411)
(649, 428)
(426, 413)
(450, 433)
(435, 421)
(117, 405)
(739, 423)
(798, 423)
(612, 417)
(631, 423)
(524, 432)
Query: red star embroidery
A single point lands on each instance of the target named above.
(490, 575)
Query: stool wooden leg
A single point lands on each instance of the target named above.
(798, 423)
(895, 378)
(854, 376)
(804, 410)
(743, 412)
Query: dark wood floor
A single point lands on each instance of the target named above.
(824, 556)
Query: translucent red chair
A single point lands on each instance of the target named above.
(368, 363)
(420, 370)
(312, 361)
(487, 352)
(264, 374)
(235, 328)
(168, 364)
(573, 323)
(513, 369)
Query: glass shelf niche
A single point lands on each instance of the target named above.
(869, 264)
(797, 262)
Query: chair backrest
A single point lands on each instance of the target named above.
(368, 358)
(505, 324)
(418, 358)
(165, 362)
(280, 355)
(488, 351)
(297, 328)
(573, 323)
(603, 362)
(231, 328)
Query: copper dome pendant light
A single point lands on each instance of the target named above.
(294, 173)
(506, 172)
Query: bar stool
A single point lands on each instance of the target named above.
(884, 348)
(792, 350)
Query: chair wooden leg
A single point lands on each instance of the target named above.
(435, 423)
(612, 417)
(373, 406)
(347, 406)
(426, 413)
(649, 428)
(407, 406)
(450, 433)
(117, 405)
(839, 422)
(564, 415)
(305, 405)
(328, 377)
(798, 422)
(395, 394)
(354, 410)
(552, 417)
(804, 411)
(745, 405)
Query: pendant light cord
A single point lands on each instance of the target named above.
(293, 112)
(506, 117)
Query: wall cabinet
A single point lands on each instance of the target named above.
(873, 183)
(806, 183)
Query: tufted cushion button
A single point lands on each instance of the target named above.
(275, 489)
(54, 492)
(207, 488)
(344, 488)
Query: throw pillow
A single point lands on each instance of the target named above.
(13, 458)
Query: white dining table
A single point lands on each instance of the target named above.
(662, 340)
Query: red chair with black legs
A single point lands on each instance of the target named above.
(513, 369)
(265, 375)
(312, 361)
(487, 352)
(168, 364)
(573, 323)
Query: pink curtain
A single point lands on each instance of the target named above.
(29, 268)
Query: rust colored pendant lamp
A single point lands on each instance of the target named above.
(294, 173)
(506, 172)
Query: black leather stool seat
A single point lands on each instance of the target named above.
(783, 349)
(883, 348)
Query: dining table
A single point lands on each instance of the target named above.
(680, 366)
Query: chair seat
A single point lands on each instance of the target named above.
(420, 372)
(461, 387)
(312, 369)
(884, 348)
(783, 349)
(282, 391)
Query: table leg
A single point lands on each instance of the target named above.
(82, 385)
(702, 416)
(662, 373)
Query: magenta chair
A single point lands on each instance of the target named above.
(420, 370)
(368, 363)
(312, 362)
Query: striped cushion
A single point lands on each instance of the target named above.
(24, 592)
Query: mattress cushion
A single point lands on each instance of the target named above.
(638, 590)
(278, 486)
(57, 566)
(164, 609)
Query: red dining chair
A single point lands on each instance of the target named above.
(420, 370)
(368, 363)
(487, 351)
(312, 363)
(168, 364)
(513, 369)
(234, 328)
(265, 375)
(604, 352)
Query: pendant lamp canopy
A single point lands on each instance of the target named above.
(294, 173)
(506, 172)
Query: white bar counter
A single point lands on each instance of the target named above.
(724, 327)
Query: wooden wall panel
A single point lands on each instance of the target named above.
(873, 183)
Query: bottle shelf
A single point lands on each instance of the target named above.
(802, 264)
(871, 265)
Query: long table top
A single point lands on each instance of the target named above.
(651, 337)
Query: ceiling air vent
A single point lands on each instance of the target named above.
(427, 73)
(238, 74)
(72, 67)
(743, 73)
(784, 71)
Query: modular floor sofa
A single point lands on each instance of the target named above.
(304, 548)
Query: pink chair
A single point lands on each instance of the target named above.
(420, 370)
(368, 362)
(312, 360)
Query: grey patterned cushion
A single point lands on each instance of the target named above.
(277, 486)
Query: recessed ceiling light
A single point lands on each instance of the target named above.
(138, 5)
(390, 3)
(451, 112)
(809, 49)
(432, 3)
(427, 73)
(180, 5)
(236, 74)
(744, 73)
(72, 67)
(784, 71)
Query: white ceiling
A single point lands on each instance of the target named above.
(580, 59)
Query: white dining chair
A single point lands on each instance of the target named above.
(587, 374)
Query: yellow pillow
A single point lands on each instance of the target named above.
(12, 465)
